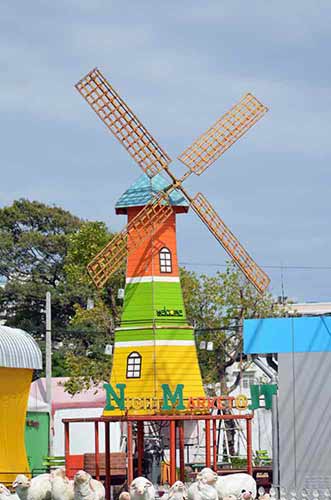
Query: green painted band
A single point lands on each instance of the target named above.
(149, 335)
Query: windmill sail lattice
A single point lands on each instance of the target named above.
(229, 242)
(122, 122)
(225, 132)
(111, 257)
(140, 144)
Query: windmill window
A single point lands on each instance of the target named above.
(165, 260)
(133, 366)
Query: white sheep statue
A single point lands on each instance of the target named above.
(38, 488)
(177, 491)
(4, 492)
(207, 476)
(201, 490)
(141, 489)
(125, 495)
(86, 488)
(62, 487)
(240, 485)
(230, 497)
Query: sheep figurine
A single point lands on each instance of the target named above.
(38, 488)
(201, 490)
(240, 485)
(86, 488)
(230, 497)
(125, 495)
(4, 492)
(62, 487)
(177, 491)
(141, 489)
(246, 495)
(207, 476)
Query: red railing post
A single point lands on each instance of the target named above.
(207, 442)
(214, 446)
(107, 460)
(140, 447)
(172, 452)
(66, 445)
(181, 450)
(249, 446)
(130, 457)
(96, 449)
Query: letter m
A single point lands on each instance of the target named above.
(168, 396)
(118, 398)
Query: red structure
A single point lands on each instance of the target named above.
(176, 430)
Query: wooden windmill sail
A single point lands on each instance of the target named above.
(154, 344)
(143, 148)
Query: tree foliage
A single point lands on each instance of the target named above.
(33, 245)
(86, 361)
(216, 306)
(44, 248)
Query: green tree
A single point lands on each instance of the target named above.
(83, 246)
(216, 306)
(85, 358)
(33, 245)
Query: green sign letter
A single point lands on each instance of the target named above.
(119, 399)
(266, 390)
(168, 396)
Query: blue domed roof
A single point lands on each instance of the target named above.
(144, 189)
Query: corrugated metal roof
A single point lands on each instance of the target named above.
(144, 189)
(18, 349)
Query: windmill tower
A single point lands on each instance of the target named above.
(154, 345)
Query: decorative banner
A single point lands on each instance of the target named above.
(271, 335)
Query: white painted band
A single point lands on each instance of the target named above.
(149, 279)
(152, 343)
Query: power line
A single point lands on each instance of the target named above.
(280, 267)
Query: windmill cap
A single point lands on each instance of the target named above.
(144, 189)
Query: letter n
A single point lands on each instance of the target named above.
(167, 396)
(118, 398)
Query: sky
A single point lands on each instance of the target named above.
(179, 65)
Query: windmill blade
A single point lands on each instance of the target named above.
(230, 243)
(146, 222)
(225, 132)
(122, 122)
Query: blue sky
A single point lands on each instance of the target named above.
(179, 65)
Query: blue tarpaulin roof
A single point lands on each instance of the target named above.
(303, 334)
(144, 189)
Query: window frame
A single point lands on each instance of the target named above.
(165, 260)
(131, 368)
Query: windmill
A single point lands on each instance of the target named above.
(151, 220)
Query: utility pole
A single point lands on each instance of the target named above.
(49, 367)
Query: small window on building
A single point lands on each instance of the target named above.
(165, 260)
(248, 379)
(133, 366)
